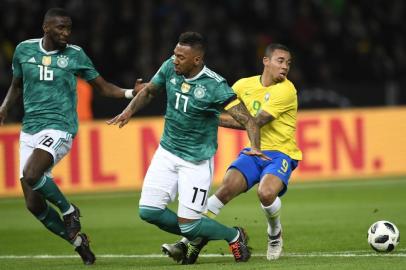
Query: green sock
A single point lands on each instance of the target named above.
(208, 228)
(47, 187)
(53, 222)
(165, 219)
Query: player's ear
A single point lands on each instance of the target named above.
(265, 60)
(198, 60)
(45, 27)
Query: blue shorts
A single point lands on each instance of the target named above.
(254, 168)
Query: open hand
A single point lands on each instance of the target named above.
(121, 119)
(256, 152)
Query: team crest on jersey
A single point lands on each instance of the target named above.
(267, 95)
(46, 60)
(185, 87)
(200, 91)
(62, 61)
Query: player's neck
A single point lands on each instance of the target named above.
(194, 72)
(48, 45)
(266, 80)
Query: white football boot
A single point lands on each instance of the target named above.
(275, 244)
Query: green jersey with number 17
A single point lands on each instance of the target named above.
(49, 84)
(192, 111)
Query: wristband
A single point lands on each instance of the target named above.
(128, 93)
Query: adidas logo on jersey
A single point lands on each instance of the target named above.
(173, 81)
(32, 60)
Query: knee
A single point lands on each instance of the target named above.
(267, 196)
(149, 215)
(31, 176)
(227, 192)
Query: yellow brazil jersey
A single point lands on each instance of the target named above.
(279, 100)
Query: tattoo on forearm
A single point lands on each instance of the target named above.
(144, 97)
(242, 116)
(240, 113)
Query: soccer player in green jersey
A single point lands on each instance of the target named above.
(44, 73)
(272, 99)
(183, 162)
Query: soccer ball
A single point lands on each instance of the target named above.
(383, 236)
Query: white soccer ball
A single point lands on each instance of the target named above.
(383, 236)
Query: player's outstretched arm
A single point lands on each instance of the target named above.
(227, 121)
(110, 90)
(14, 92)
(143, 98)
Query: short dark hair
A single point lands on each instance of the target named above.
(275, 46)
(55, 12)
(193, 39)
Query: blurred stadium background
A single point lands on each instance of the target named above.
(349, 69)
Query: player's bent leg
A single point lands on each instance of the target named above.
(233, 184)
(268, 191)
(46, 214)
(34, 174)
(209, 229)
(165, 219)
(152, 209)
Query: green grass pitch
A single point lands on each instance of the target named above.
(325, 227)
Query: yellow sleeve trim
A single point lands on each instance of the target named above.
(232, 104)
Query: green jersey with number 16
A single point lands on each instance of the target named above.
(49, 79)
(192, 111)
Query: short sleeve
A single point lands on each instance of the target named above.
(159, 78)
(281, 100)
(86, 69)
(237, 88)
(16, 65)
(224, 94)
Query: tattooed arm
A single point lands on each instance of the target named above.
(242, 117)
(261, 119)
(143, 98)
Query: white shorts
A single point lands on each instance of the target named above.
(56, 142)
(168, 175)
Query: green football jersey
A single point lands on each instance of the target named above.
(49, 79)
(192, 111)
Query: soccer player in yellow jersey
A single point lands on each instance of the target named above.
(272, 99)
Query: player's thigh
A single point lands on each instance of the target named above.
(41, 151)
(233, 184)
(249, 167)
(194, 185)
(277, 173)
(161, 180)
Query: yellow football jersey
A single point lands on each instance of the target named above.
(279, 100)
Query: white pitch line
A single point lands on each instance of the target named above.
(159, 256)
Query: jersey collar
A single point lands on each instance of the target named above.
(196, 76)
(45, 51)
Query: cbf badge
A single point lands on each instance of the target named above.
(267, 95)
(185, 87)
(200, 91)
(46, 60)
(62, 61)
